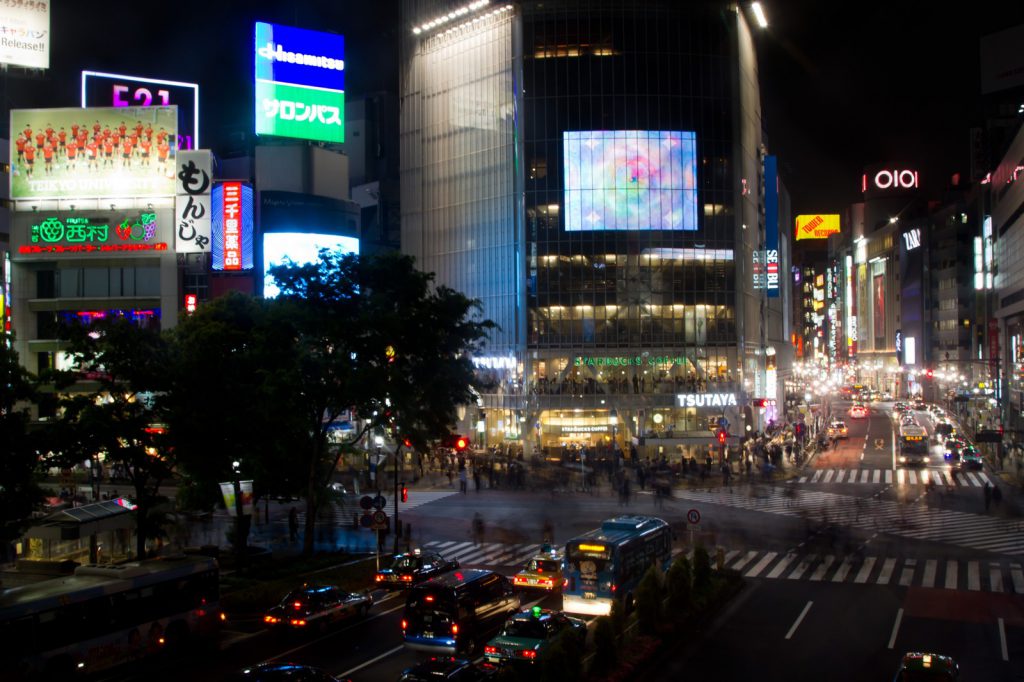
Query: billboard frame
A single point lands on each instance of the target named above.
(154, 81)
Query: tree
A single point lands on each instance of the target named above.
(679, 583)
(606, 647)
(377, 336)
(108, 406)
(701, 571)
(648, 601)
(562, 660)
(19, 458)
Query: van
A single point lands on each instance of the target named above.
(453, 613)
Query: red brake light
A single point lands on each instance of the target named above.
(407, 578)
(298, 623)
(405, 624)
(297, 605)
(455, 628)
(528, 653)
(269, 619)
(380, 578)
(490, 649)
(520, 580)
(613, 587)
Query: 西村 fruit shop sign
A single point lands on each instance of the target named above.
(80, 234)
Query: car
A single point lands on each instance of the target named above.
(838, 429)
(525, 635)
(908, 420)
(317, 607)
(920, 405)
(885, 397)
(283, 672)
(413, 568)
(924, 667)
(970, 458)
(444, 668)
(859, 412)
(542, 572)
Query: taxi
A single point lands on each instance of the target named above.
(838, 429)
(317, 607)
(858, 411)
(525, 635)
(413, 568)
(970, 458)
(542, 572)
(923, 667)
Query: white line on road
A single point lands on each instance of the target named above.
(781, 566)
(995, 578)
(370, 662)
(888, 476)
(895, 628)
(930, 566)
(800, 618)
(973, 577)
(865, 570)
(761, 565)
(1018, 578)
(951, 577)
(1002, 639)
(877, 476)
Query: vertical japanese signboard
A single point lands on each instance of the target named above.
(300, 83)
(231, 235)
(771, 225)
(231, 220)
(192, 201)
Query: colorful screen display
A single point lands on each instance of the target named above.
(301, 248)
(630, 180)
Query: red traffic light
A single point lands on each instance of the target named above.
(461, 443)
(405, 494)
(407, 443)
(722, 435)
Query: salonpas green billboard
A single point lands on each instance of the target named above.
(305, 113)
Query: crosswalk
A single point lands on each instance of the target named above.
(916, 521)
(951, 574)
(489, 554)
(899, 477)
(341, 512)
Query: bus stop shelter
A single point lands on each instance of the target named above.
(65, 534)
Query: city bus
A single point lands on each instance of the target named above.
(106, 615)
(913, 442)
(607, 563)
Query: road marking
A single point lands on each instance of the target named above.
(901, 477)
(895, 628)
(843, 571)
(729, 556)
(375, 659)
(949, 479)
(819, 572)
(983, 478)
(995, 578)
(320, 639)
(907, 576)
(974, 481)
(885, 575)
(839, 475)
(828, 476)
(973, 577)
(877, 476)
(865, 570)
(817, 475)
(888, 476)
(930, 567)
(800, 618)
(761, 565)
(862, 455)
(951, 577)
(745, 560)
(781, 566)
(1018, 578)
(803, 479)
(912, 476)
(1002, 639)
(800, 569)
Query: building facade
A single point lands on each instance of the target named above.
(594, 174)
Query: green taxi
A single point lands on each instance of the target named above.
(970, 458)
(542, 572)
(525, 635)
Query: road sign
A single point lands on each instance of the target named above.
(366, 521)
(723, 422)
(380, 520)
(693, 516)
(366, 502)
(380, 502)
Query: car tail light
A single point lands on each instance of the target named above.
(407, 578)
(298, 623)
(297, 605)
(613, 588)
(455, 628)
(161, 641)
(380, 578)
(547, 582)
(405, 624)
(520, 580)
(223, 616)
(528, 653)
(490, 649)
(266, 619)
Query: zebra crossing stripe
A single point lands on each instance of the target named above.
(901, 477)
(1017, 575)
(819, 572)
(907, 576)
(995, 578)
(761, 565)
(803, 479)
(951, 574)
(843, 570)
(800, 569)
(828, 476)
(864, 475)
(885, 575)
(729, 556)
(786, 561)
(877, 476)
(912, 475)
(817, 475)
(973, 576)
(745, 560)
(974, 481)
(930, 566)
(865, 570)
(440, 546)
(949, 479)
(839, 475)
(984, 479)
(888, 476)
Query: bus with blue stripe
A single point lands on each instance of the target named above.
(607, 563)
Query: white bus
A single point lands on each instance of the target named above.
(913, 441)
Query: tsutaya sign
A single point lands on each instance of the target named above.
(706, 399)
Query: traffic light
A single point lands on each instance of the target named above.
(461, 443)
(929, 373)
(405, 493)
(407, 443)
(722, 435)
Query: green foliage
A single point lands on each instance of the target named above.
(701, 571)
(562, 660)
(606, 647)
(679, 583)
(19, 493)
(618, 617)
(649, 601)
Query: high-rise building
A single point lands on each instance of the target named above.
(594, 174)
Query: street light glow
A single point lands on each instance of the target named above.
(762, 21)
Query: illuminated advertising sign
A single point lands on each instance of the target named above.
(93, 153)
(912, 239)
(706, 400)
(300, 83)
(80, 234)
(300, 248)
(628, 361)
(231, 244)
(116, 90)
(889, 178)
(192, 209)
(816, 226)
(630, 180)
(25, 34)
(771, 225)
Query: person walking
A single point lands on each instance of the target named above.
(476, 476)
(988, 495)
(463, 479)
(478, 529)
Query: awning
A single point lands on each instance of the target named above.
(74, 523)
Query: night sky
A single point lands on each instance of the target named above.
(844, 84)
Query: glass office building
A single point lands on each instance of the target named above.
(592, 172)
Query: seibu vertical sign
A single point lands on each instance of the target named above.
(771, 225)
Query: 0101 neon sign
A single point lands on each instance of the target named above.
(891, 179)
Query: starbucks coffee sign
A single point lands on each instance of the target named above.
(706, 399)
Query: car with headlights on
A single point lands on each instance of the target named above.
(413, 568)
(542, 572)
(525, 635)
(838, 429)
(924, 667)
(859, 411)
(317, 607)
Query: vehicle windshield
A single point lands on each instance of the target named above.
(532, 628)
(406, 563)
(543, 566)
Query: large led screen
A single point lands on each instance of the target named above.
(301, 248)
(630, 180)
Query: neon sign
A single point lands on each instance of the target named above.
(232, 208)
(706, 400)
(81, 235)
(912, 239)
(891, 179)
